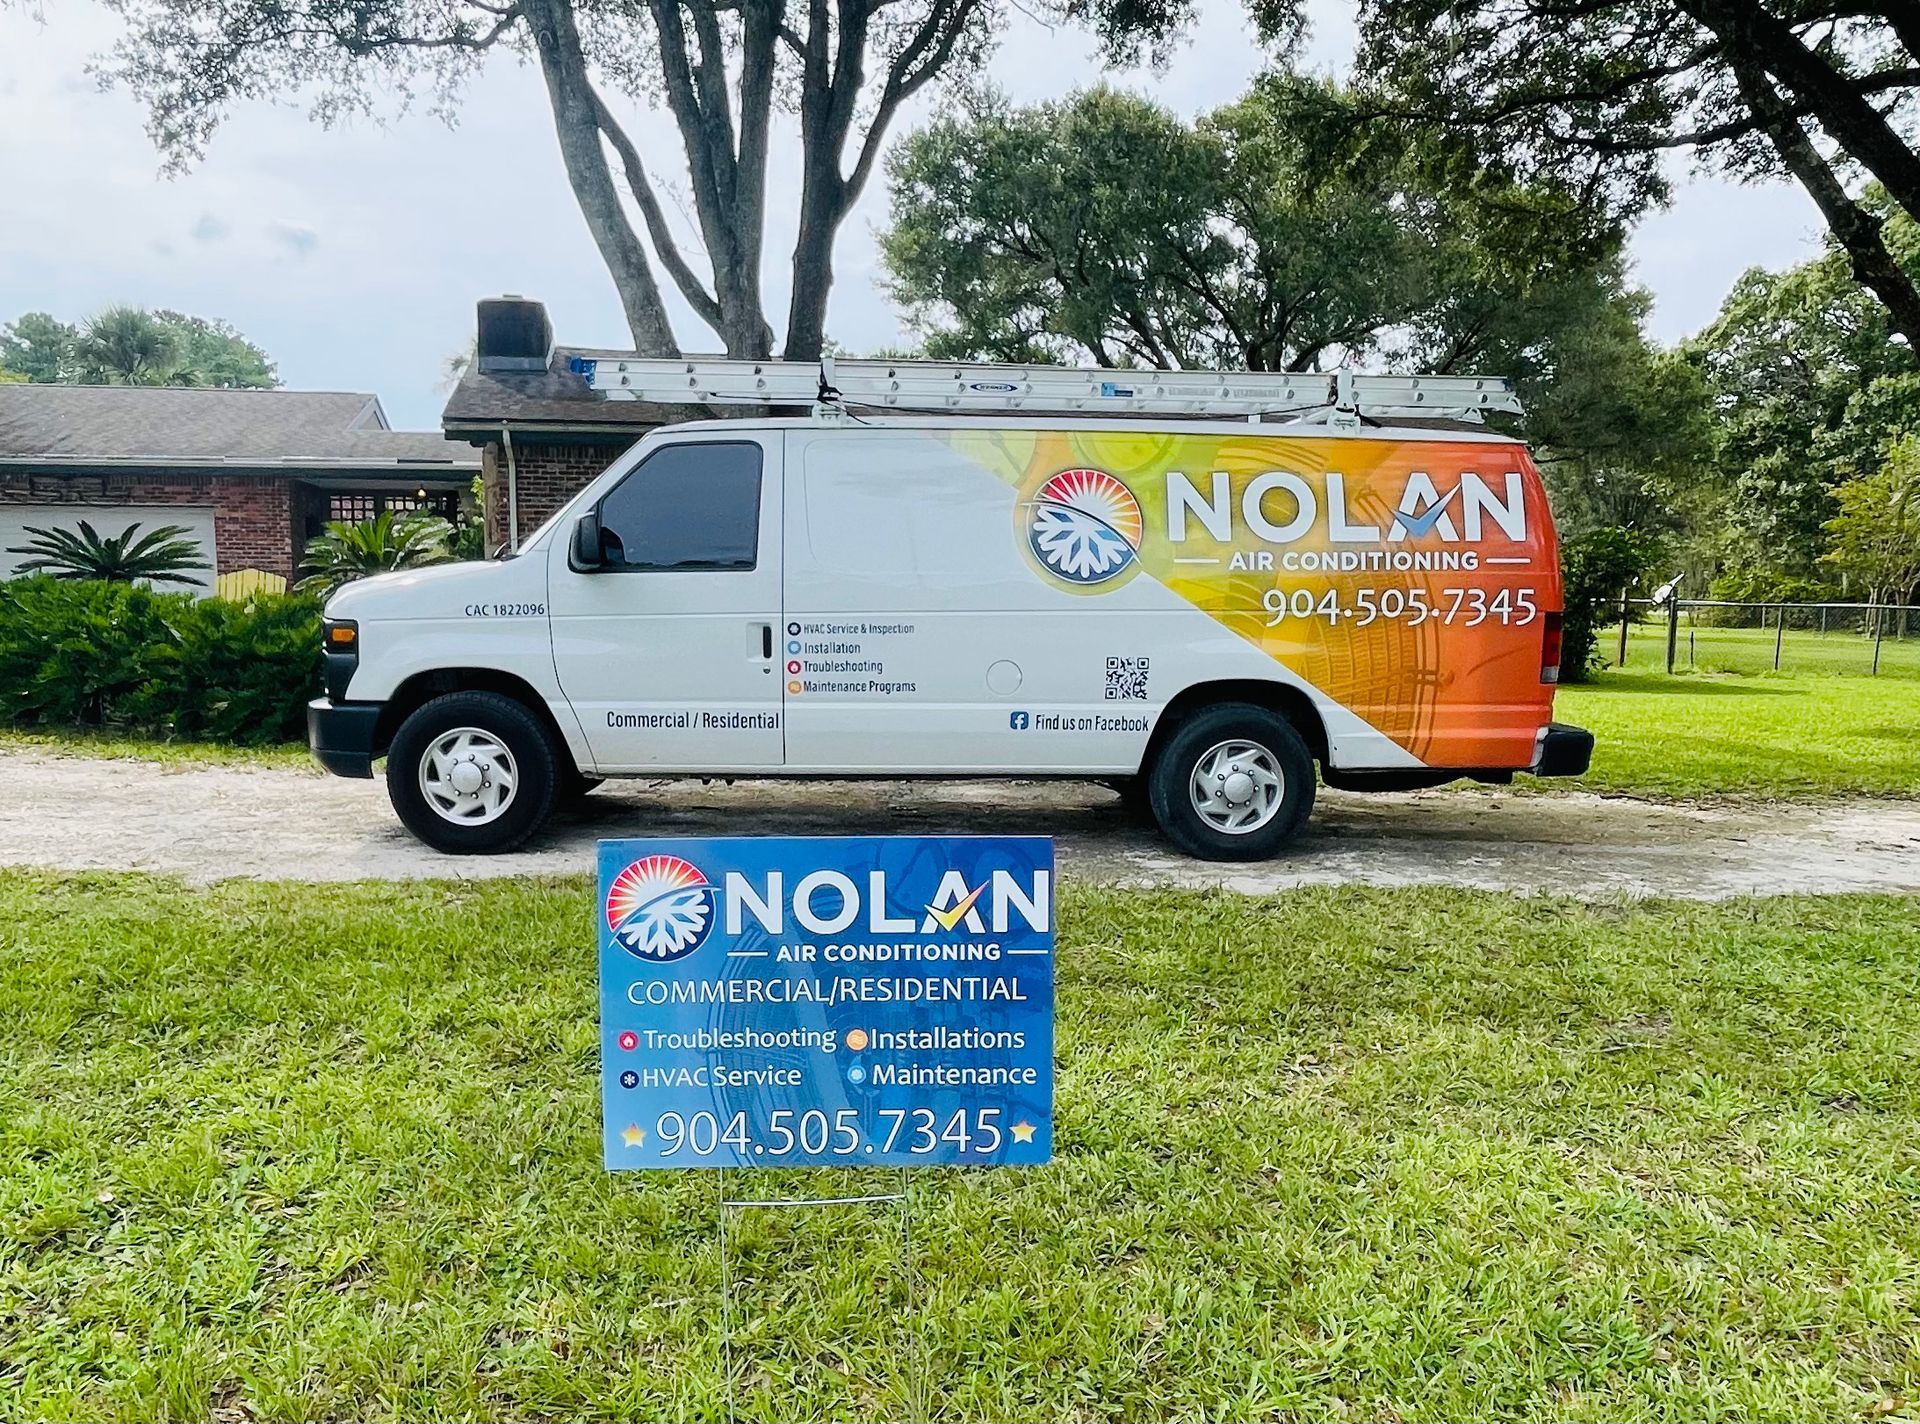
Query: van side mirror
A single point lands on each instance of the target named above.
(586, 555)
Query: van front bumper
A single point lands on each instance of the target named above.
(341, 735)
(1562, 751)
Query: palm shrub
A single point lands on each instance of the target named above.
(380, 545)
(244, 672)
(126, 346)
(159, 556)
(95, 654)
(78, 654)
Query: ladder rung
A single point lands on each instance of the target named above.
(980, 387)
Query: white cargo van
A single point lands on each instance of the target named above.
(1163, 588)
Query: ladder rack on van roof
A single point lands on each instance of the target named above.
(1339, 398)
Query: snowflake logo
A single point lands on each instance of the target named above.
(660, 908)
(1085, 526)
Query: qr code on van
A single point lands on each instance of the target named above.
(1126, 679)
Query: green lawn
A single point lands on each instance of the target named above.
(1697, 735)
(304, 1153)
(1701, 647)
(72, 742)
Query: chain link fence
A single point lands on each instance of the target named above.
(1713, 635)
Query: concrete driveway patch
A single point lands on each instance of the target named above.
(207, 823)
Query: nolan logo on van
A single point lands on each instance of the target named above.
(1280, 507)
(830, 902)
(1084, 526)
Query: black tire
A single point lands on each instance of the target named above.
(534, 765)
(1170, 778)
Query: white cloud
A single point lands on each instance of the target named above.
(298, 238)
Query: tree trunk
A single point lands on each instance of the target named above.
(1752, 34)
(831, 82)
(726, 199)
(1853, 227)
(821, 212)
(564, 67)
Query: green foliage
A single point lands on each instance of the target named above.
(470, 532)
(1101, 226)
(1809, 390)
(1764, 585)
(246, 669)
(1595, 568)
(81, 654)
(212, 353)
(158, 556)
(1876, 531)
(1264, 237)
(116, 655)
(1594, 96)
(125, 345)
(39, 348)
(345, 552)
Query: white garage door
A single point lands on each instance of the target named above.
(108, 521)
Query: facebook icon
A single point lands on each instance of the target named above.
(1018, 721)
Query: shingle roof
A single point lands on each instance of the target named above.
(555, 397)
(80, 425)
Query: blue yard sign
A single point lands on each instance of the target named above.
(826, 1001)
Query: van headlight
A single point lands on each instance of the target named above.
(340, 642)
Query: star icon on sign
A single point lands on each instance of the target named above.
(633, 1136)
(1023, 1131)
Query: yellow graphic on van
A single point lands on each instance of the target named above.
(1409, 579)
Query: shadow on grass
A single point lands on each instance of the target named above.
(1718, 684)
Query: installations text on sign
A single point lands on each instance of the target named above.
(826, 1001)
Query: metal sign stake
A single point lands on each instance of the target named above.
(914, 1391)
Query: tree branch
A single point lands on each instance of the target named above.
(705, 306)
(563, 64)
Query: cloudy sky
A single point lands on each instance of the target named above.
(354, 256)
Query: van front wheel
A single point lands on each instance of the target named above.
(472, 773)
(1234, 782)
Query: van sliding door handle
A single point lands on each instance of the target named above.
(766, 640)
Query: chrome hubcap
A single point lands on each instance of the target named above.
(468, 776)
(1237, 787)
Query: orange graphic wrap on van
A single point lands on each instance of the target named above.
(1409, 580)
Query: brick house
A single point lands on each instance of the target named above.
(541, 430)
(251, 475)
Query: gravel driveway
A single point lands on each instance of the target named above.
(210, 822)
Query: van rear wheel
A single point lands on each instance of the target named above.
(472, 773)
(1234, 782)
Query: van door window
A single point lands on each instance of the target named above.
(693, 506)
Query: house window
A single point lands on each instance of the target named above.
(358, 508)
(353, 508)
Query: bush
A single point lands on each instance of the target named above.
(1594, 567)
(1757, 585)
(120, 656)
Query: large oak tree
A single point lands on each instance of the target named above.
(1100, 227)
(1597, 92)
(722, 69)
